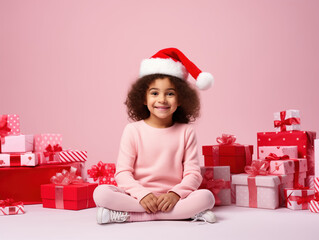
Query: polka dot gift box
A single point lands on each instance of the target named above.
(9, 125)
(304, 140)
(47, 147)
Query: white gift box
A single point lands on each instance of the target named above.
(17, 144)
(291, 113)
(18, 159)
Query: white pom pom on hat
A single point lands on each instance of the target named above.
(171, 61)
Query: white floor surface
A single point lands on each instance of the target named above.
(233, 223)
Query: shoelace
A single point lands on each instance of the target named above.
(199, 216)
(116, 216)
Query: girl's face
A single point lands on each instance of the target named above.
(161, 101)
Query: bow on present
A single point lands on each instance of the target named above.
(301, 200)
(273, 156)
(9, 202)
(257, 168)
(226, 139)
(4, 129)
(283, 122)
(67, 177)
(50, 151)
(97, 171)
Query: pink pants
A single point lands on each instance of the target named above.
(114, 198)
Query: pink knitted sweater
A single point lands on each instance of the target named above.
(158, 160)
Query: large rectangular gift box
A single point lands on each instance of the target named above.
(9, 125)
(298, 199)
(17, 144)
(71, 197)
(236, 156)
(24, 183)
(265, 151)
(295, 169)
(259, 191)
(304, 140)
(217, 180)
(18, 159)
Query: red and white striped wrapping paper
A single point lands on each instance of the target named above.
(12, 210)
(72, 156)
(316, 184)
(314, 206)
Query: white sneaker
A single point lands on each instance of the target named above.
(207, 216)
(105, 215)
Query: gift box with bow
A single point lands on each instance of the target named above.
(298, 199)
(102, 173)
(287, 120)
(50, 155)
(10, 207)
(217, 180)
(24, 183)
(228, 153)
(18, 159)
(9, 125)
(304, 140)
(257, 188)
(68, 191)
(290, 151)
(47, 147)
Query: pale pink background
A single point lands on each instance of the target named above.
(66, 66)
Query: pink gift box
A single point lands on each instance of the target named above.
(9, 125)
(18, 159)
(295, 169)
(41, 141)
(259, 191)
(298, 199)
(16, 144)
(12, 210)
(217, 180)
(291, 151)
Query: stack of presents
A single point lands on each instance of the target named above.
(36, 169)
(285, 173)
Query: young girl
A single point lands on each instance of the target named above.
(158, 170)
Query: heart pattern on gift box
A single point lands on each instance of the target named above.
(30, 158)
(1, 162)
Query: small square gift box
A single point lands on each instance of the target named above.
(304, 140)
(258, 189)
(295, 169)
(102, 173)
(217, 180)
(288, 120)
(10, 207)
(9, 125)
(50, 155)
(298, 199)
(228, 153)
(290, 151)
(18, 159)
(68, 191)
(17, 144)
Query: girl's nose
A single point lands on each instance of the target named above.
(161, 98)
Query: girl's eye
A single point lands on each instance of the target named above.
(154, 93)
(170, 94)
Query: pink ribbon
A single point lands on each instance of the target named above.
(283, 122)
(257, 168)
(4, 129)
(273, 156)
(51, 151)
(67, 177)
(226, 139)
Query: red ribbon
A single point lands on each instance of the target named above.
(97, 171)
(51, 151)
(283, 122)
(226, 139)
(301, 200)
(4, 129)
(9, 202)
(273, 156)
(67, 177)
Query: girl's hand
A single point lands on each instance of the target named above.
(167, 201)
(149, 203)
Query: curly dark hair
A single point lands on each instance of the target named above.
(188, 99)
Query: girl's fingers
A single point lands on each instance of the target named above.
(170, 207)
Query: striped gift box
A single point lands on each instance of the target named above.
(72, 156)
(314, 206)
(316, 184)
(12, 210)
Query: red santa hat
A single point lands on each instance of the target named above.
(172, 61)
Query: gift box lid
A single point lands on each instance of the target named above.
(261, 181)
(288, 166)
(73, 192)
(233, 150)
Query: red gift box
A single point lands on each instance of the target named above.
(304, 140)
(71, 197)
(235, 156)
(24, 183)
